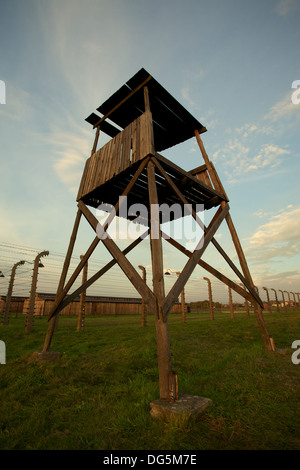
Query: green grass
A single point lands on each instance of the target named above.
(97, 395)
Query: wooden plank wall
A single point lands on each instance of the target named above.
(104, 308)
(132, 144)
(43, 307)
(203, 176)
(39, 306)
(16, 306)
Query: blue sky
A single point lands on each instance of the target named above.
(230, 63)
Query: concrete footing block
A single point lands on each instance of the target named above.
(186, 405)
(45, 356)
(282, 352)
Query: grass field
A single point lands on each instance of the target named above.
(97, 395)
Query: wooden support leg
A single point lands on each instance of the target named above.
(81, 315)
(162, 329)
(53, 322)
(257, 308)
(248, 279)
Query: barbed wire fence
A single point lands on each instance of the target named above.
(203, 293)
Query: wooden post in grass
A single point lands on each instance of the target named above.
(30, 313)
(230, 303)
(283, 300)
(182, 295)
(289, 302)
(276, 299)
(5, 319)
(144, 317)
(182, 301)
(82, 302)
(211, 308)
(272, 343)
(294, 303)
(161, 321)
(183, 316)
(268, 300)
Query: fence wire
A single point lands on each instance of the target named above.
(115, 284)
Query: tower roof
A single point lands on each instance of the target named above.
(172, 123)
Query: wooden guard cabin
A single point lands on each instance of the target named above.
(142, 119)
(146, 130)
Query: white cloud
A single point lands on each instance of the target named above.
(283, 109)
(263, 275)
(237, 155)
(185, 95)
(261, 213)
(248, 129)
(12, 225)
(284, 7)
(19, 104)
(69, 169)
(73, 149)
(269, 155)
(89, 43)
(273, 251)
(239, 161)
(279, 237)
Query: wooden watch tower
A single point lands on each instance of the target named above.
(145, 119)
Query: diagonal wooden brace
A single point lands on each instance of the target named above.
(121, 259)
(193, 261)
(177, 192)
(97, 275)
(210, 269)
(62, 294)
(214, 241)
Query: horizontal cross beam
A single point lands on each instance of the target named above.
(120, 258)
